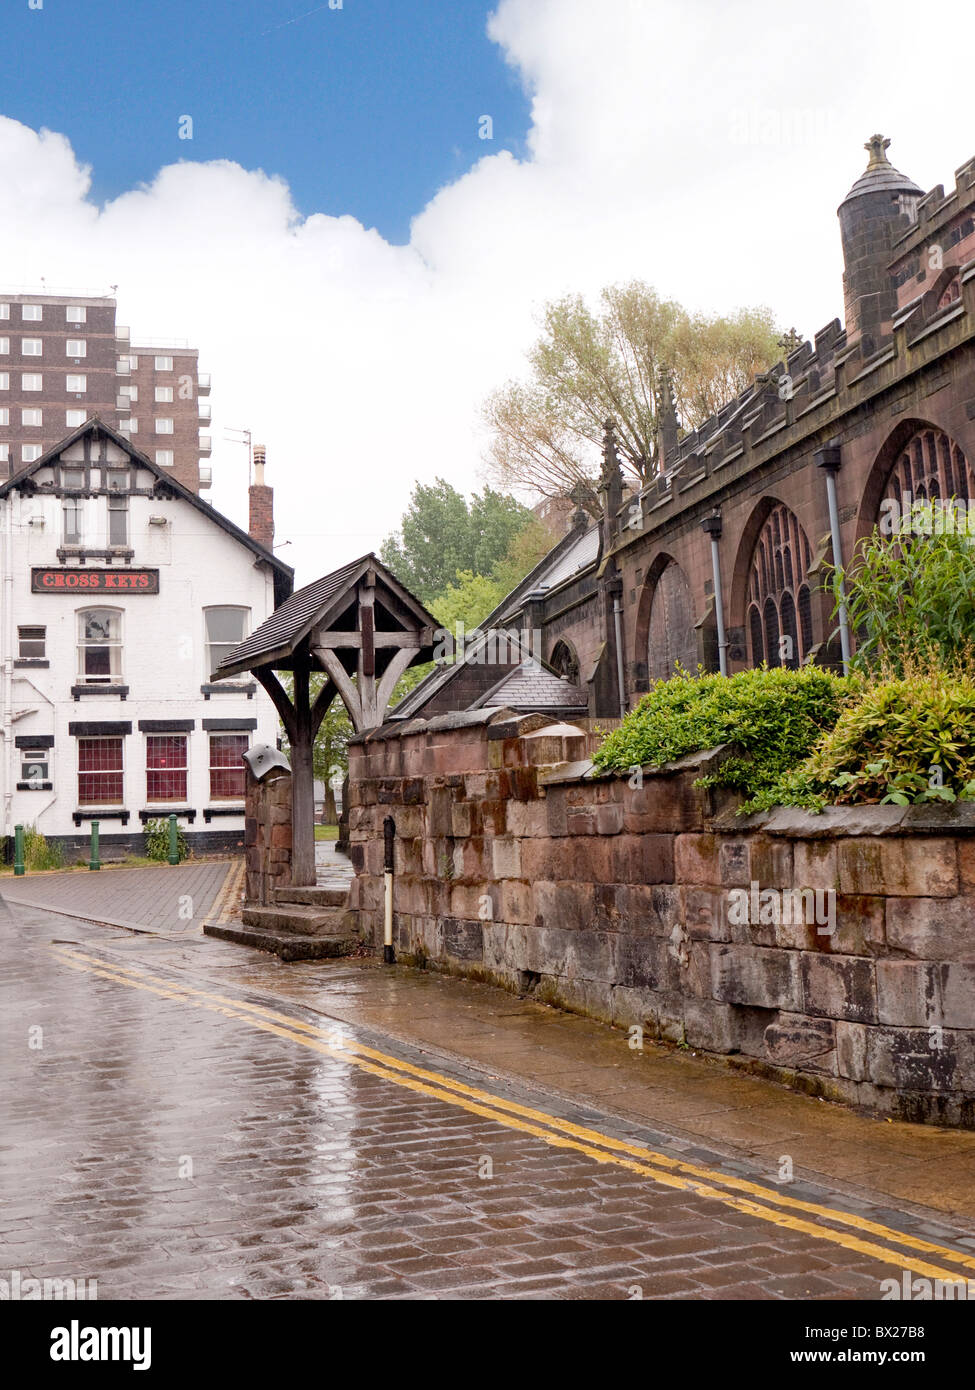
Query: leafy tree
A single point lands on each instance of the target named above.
(588, 366)
(468, 601)
(442, 535)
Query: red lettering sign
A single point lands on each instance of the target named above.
(44, 581)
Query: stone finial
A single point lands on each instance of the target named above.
(877, 147)
(790, 341)
(611, 458)
(580, 495)
(667, 425)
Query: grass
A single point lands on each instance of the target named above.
(326, 832)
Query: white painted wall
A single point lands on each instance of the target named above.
(164, 651)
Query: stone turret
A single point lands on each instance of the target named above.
(880, 205)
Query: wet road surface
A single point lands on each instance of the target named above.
(172, 1135)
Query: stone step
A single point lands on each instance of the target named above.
(286, 945)
(311, 896)
(295, 917)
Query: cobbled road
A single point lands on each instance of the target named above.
(173, 1136)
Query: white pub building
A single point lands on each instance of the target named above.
(121, 591)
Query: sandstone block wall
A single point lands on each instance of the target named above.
(267, 837)
(650, 904)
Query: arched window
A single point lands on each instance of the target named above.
(565, 662)
(929, 465)
(671, 638)
(779, 605)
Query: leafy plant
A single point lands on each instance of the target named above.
(774, 716)
(157, 840)
(908, 739)
(38, 854)
(910, 593)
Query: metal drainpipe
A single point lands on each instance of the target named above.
(829, 460)
(389, 835)
(618, 627)
(712, 525)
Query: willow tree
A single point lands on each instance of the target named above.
(629, 360)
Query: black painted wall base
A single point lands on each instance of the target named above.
(114, 847)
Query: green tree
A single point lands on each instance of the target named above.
(442, 535)
(589, 365)
(468, 601)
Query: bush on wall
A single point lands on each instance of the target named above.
(774, 716)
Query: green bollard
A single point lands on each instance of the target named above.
(94, 862)
(173, 842)
(18, 849)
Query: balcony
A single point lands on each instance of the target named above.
(203, 384)
(206, 475)
(123, 403)
(122, 367)
(206, 445)
(121, 333)
(205, 411)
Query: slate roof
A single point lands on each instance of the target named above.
(532, 686)
(283, 574)
(279, 635)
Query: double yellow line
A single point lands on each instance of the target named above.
(767, 1204)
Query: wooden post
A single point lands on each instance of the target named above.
(302, 784)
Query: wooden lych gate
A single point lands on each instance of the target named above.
(362, 629)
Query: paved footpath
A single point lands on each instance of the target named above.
(171, 899)
(190, 1119)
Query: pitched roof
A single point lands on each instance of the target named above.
(280, 634)
(532, 686)
(283, 574)
(574, 553)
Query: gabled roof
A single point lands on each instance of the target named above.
(532, 686)
(575, 552)
(278, 636)
(283, 574)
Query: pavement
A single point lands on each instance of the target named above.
(196, 1119)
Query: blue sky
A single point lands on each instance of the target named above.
(365, 110)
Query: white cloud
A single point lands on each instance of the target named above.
(701, 146)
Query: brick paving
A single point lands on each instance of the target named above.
(171, 899)
(170, 1146)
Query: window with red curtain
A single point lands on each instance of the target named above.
(165, 767)
(226, 767)
(100, 771)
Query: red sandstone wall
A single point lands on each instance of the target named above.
(613, 899)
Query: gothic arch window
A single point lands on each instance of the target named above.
(779, 613)
(929, 465)
(671, 636)
(951, 293)
(564, 662)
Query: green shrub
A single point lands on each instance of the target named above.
(38, 854)
(774, 716)
(911, 589)
(907, 739)
(157, 840)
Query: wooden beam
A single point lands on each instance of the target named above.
(353, 640)
(279, 695)
(345, 686)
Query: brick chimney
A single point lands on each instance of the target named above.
(261, 521)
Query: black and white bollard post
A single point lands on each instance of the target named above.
(389, 834)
